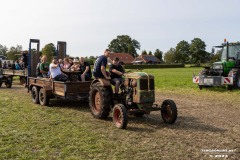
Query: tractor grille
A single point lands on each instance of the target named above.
(144, 84)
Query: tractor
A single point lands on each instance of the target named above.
(137, 97)
(224, 72)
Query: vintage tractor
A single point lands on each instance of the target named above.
(225, 72)
(137, 98)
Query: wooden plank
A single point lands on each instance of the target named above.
(59, 93)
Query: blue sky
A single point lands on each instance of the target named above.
(88, 26)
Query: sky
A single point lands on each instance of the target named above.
(88, 26)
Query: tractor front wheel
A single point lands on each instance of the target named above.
(169, 111)
(120, 117)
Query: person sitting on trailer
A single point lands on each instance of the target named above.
(55, 71)
(17, 65)
(5, 66)
(66, 64)
(44, 67)
(38, 73)
(9, 65)
(116, 70)
(71, 61)
(75, 66)
(85, 69)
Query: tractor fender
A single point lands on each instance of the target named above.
(103, 82)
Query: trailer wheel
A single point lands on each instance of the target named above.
(43, 98)
(100, 101)
(169, 111)
(8, 82)
(23, 81)
(34, 95)
(120, 117)
(0, 84)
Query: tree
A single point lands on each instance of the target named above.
(197, 51)
(3, 50)
(90, 60)
(158, 54)
(13, 53)
(169, 56)
(124, 44)
(150, 53)
(182, 51)
(144, 52)
(49, 50)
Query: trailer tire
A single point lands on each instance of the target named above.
(8, 82)
(23, 81)
(35, 95)
(43, 97)
(169, 111)
(0, 84)
(100, 101)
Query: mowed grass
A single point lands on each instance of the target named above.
(208, 119)
(174, 78)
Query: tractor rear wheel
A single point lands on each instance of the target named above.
(120, 117)
(100, 101)
(35, 95)
(43, 98)
(169, 111)
(8, 82)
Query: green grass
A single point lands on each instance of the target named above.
(174, 78)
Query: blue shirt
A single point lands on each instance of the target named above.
(101, 61)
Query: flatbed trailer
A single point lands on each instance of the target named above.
(44, 89)
(21, 73)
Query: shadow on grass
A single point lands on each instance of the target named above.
(182, 123)
(77, 105)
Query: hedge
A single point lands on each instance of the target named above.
(146, 66)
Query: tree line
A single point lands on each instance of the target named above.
(184, 52)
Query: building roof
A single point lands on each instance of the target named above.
(147, 59)
(126, 58)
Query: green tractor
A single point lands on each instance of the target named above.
(225, 72)
(136, 98)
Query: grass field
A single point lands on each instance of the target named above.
(208, 119)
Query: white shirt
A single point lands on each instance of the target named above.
(54, 71)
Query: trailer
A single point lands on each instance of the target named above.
(44, 89)
(21, 73)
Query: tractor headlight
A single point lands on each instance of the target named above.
(218, 67)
